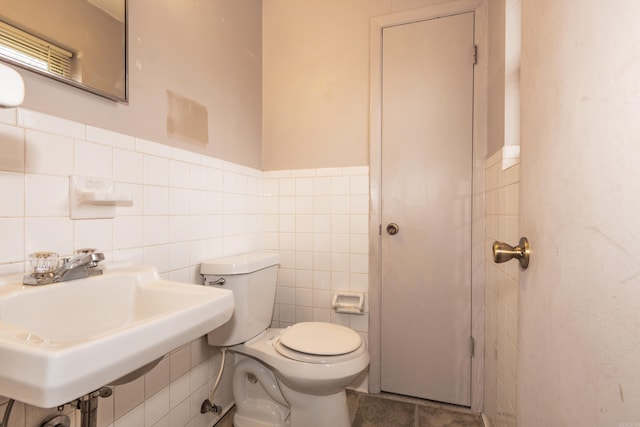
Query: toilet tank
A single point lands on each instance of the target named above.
(252, 279)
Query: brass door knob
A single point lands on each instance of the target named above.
(503, 252)
(393, 228)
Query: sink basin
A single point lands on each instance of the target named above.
(61, 341)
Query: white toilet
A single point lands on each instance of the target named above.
(293, 377)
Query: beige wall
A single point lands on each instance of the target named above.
(316, 80)
(495, 115)
(504, 74)
(208, 52)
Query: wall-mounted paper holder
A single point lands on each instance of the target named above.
(348, 302)
(94, 197)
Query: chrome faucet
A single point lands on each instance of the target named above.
(83, 264)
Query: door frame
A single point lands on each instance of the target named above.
(480, 111)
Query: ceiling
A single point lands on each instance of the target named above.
(115, 8)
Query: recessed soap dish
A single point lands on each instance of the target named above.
(94, 197)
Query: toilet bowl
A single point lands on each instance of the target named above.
(293, 377)
(313, 385)
(257, 403)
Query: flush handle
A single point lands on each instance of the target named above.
(393, 228)
(220, 282)
(503, 252)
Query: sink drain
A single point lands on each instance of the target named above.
(56, 421)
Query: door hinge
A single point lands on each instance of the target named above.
(472, 344)
(475, 54)
(379, 229)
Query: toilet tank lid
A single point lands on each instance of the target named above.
(239, 264)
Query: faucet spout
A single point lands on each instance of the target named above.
(88, 259)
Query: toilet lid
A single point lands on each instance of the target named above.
(326, 339)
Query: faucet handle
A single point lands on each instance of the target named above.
(43, 262)
(84, 251)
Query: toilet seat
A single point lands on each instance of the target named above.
(318, 342)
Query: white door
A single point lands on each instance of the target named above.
(426, 172)
(579, 312)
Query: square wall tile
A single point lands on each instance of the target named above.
(179, 174)
(48, 154)
(128, 232)
(199, 351)
(93, 159)
(107, 137)
(156, 230)
(156, 200)
(179, 201)
(321, 315)
(228, 182)
(322, 186)
(50, 124)
(8, 115)
(12, 242)
(180, 362)
(152, 148)
(179, 255)
(340, 185)
(185, 155)
(158, 256)
(156, 170)
(136, 191)
(359, 224)
(46, 195)
(48, 234)
(359, 185)
(133, 418)
(199, 376)
(180, 415)
(156, 407)
(12, 148)
(93, 233)
(128, 166)
(157, 378)
(12, 194)
(128, 396)
(198, 178)
(304, 186)
(180, 390)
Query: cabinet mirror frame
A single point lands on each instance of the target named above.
(122, 81)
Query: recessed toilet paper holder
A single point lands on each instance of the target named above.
(348, 302)
(503, 252)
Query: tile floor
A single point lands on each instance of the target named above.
(388, 410)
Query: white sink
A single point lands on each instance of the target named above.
(61, 341)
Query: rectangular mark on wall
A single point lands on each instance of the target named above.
(187, 119)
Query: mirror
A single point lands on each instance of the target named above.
(78, 42)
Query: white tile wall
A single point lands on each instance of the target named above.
(187, 208)
(318, 221)
(501, 294)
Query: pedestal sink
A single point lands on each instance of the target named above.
(61, 341)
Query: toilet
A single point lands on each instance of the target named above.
(293, 377)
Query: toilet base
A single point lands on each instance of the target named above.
(244, 421)
(310, 410)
